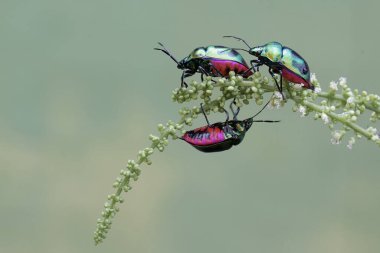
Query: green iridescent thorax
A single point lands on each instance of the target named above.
(216, 53)
(294, 62)
(197, 53)
(272, 51)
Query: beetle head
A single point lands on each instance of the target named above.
(188, 64)
(193, 60)
(256, 51)
(242, 126)
(181, 64)
(247, 123)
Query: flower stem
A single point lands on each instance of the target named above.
(351, 104)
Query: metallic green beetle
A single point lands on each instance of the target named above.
(215, 61)
(281, 60)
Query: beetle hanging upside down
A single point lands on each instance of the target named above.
(215, 61)
(221, 136)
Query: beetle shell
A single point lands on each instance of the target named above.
(219, 136)
(296, 68)
(293, 67)
(272, 51)
(224, 59)
(216, 52)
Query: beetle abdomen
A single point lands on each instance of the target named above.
(294, 78)
(204, 136)
(225, 66)
(218, 147)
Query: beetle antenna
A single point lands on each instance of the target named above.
(254, 116)
(228, 116)
(163, 49)
(242, 49)
(267, 121)
(239, 39)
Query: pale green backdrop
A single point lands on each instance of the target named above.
(82, 88)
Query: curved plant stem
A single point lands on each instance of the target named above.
(336, 117)
(344, 108)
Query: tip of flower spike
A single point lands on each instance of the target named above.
(342, 81)
(333, 86)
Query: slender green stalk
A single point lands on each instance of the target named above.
(333, 108)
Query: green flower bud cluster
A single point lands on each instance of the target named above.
(122, 183)
(132, 172)
(188, 115)
(235, 87)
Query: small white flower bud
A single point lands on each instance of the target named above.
(333, 86)
(342, 81)
(336, 137)
(302, 110)
(351, 142)
(325, 118)
(313, 78)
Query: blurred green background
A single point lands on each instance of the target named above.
(82, 88)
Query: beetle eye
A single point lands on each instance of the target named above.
(248, 125)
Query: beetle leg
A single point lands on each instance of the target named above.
(282, 94)
(184, 75)
(232, 109)
(183, 83)
(257, 65)
(228, 116)
(245, 72)
(204, 114)
(252, 68)
(279, 87)
(216, 70)
(204, 72)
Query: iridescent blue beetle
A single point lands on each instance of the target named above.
(281, 60)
